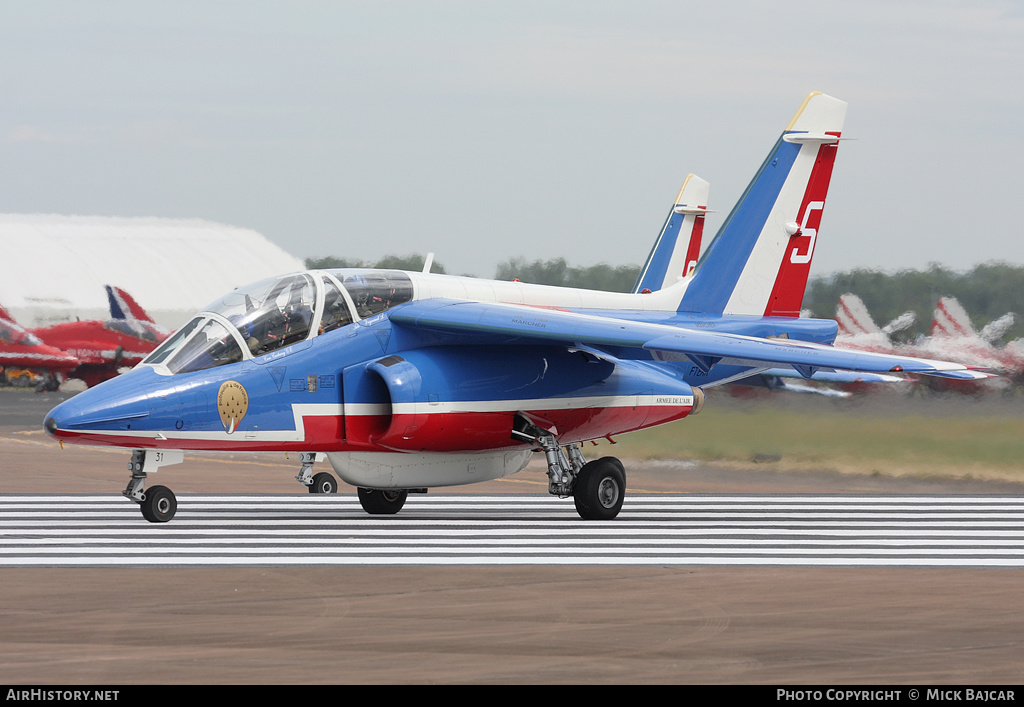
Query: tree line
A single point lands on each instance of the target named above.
(987, 291)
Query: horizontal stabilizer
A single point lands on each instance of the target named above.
(809, 139)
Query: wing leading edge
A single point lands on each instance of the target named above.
(664, 342)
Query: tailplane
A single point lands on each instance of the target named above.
(674, 255)
(996, 330)
(759, 260)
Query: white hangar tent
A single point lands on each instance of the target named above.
(54, 268)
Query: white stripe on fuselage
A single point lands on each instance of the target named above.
(4, 356)
(489, 406)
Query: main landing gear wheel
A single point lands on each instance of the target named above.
(323, 483)
(599, 489)
(160, 505)
(382, 501)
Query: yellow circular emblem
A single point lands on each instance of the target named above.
(232, 404)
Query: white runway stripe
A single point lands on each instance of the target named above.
(439, 529)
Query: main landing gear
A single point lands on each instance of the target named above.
(597, 487)
(382, 501)
(322, 482)
(373, 501)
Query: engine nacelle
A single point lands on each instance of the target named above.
(466, 398)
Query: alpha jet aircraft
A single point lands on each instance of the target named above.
(407, 381)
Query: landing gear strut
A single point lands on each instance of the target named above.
(322, 482)
(597, 487)
(158, 504)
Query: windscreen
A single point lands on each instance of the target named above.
(212, 346)
(11, 333)
(173, 342)
(130, 328)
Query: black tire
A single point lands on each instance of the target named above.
(160, 505)
(382, 501)
(600, 489)
(323, 483)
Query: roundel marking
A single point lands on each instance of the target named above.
(232, 404)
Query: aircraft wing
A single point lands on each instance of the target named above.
(704, 348)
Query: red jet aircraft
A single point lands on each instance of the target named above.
(23, 357)
(104, 347)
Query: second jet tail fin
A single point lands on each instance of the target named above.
(675, 253)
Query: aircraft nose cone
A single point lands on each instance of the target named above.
(91, 416)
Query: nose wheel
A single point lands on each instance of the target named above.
(159, 505)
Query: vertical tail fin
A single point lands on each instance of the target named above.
(759, 260)
(124, 306)
(853, 317)
(674, 255)
(951, 320)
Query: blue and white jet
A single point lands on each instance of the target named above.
(409, 381)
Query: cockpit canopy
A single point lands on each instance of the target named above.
(277, 312)
(11, 333)
(131, 327)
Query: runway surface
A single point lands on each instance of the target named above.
(885, 580)
(660, 530)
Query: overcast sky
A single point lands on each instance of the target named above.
(486, 130)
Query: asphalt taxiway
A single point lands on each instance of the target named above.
(491, 624)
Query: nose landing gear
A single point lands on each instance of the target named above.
(158, 504)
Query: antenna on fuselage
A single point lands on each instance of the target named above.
(428, 263)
